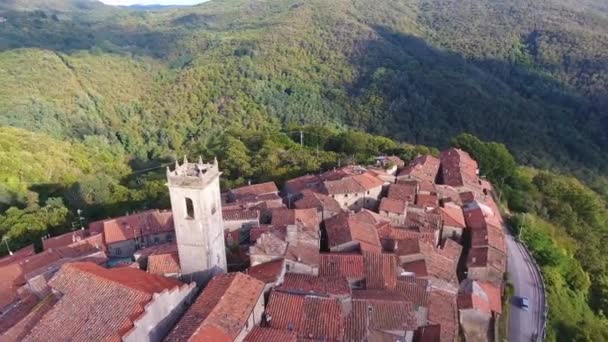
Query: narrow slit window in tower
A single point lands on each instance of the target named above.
(189, 208)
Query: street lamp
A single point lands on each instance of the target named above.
(5, 239)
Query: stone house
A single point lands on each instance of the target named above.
(394, 209)
(126, 303)
(229, 307)
(124, 235)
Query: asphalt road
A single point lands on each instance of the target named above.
(524, 325)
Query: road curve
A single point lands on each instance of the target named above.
(524, 325)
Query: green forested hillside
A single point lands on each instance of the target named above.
(530, 74)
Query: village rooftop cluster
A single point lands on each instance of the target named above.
(389, 252)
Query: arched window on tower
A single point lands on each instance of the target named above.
(189, 208)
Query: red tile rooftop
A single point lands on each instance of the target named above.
(268, 272)
(368, 315)
(317, 201)
(443, 311)
(260, 334)
(164, 264)
(344, 228)
(414, 291)
(240, 214)
(24, 324)
(487, 257)
(380, 270)
(417, 267)
(18, 255)
(136, 225)
(393, 206)
(402, 192)
(422, 168)
(254, 190)
(458, 168)
(427, 201)
(345, 265)
(64, 239)
(322, 320)
(452, 216)
(284, 310)
(304, 284)
(488, 236)
(97, 303)
(221, 311)
(307, 217)
(480, 296)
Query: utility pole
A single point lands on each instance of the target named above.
(301, 138)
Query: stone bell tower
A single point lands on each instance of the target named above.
(194, 189)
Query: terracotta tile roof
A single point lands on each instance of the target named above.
(256, 232)
(423, 168)
(416, 267)
(458, 168)
(299, 184)
(345, 265)
(347, 185)
(381, 315)
(285, 310)
(270, 245)
(371, 217)
(268, 272)
(18, 255)
(16, 273)
(260, 334)
(254, 190)
(488, 236)
(448, 194)
(486, 257)
(307, 217)
(452, 216)
(221, 311)
(451, 250)
(414, 291)
(240, 214)
(305, 284)
(64, 239)
(304, 253)
(24, 324)
(163, 264)
(403, 192)
(165, 248)
(494, 295)
(317, 201)
(17, 312)
(393, 206)
(380, 270)
(379, 295)
(426, 221)
(443, 311)
(368, 181)
(136, 225)
(97, 303)
(344, 228)
(412, 246)
(427, 201)
(394, 233)
(322, 319)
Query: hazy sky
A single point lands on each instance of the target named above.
(152, 2)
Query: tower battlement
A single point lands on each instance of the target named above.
(193, 175)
